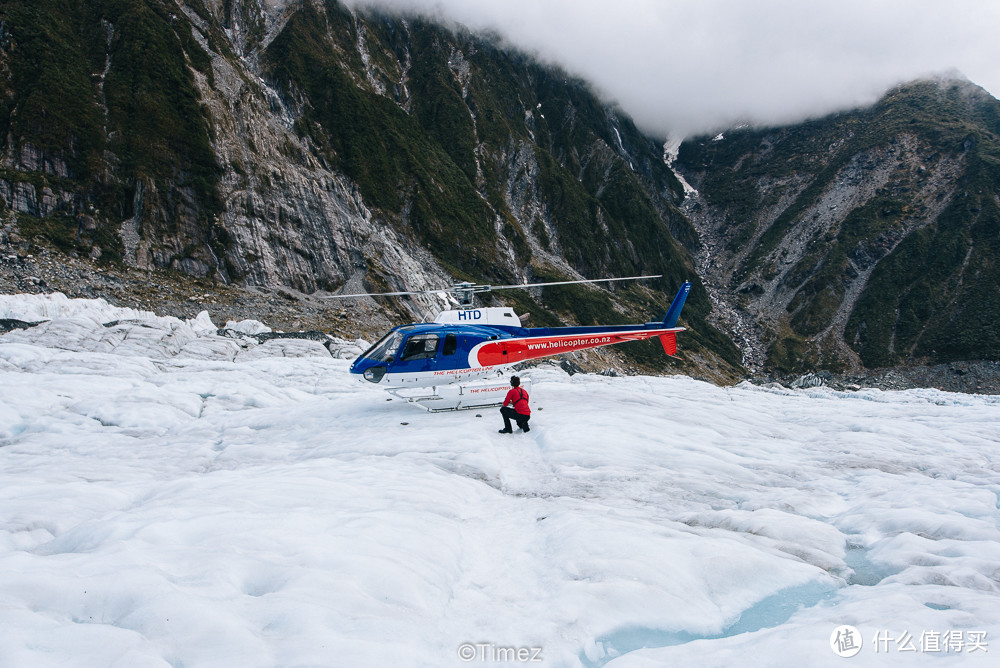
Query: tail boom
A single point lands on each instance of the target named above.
(548, 342)
(512, 351)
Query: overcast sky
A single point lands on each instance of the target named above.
(682, 66)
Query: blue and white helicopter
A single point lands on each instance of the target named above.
(462, 355)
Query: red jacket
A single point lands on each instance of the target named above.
(518, 398)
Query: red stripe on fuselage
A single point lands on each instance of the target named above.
(511, 351)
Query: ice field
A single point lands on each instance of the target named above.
(173, 497)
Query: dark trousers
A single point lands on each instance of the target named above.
(509, 414)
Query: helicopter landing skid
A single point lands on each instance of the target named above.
(458, 396)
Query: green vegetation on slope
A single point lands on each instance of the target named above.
(919, 303)
(397, 167)
(106, 88)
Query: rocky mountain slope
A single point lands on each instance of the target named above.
(302, 144)
(865, 239)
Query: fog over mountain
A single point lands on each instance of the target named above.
(688, 66)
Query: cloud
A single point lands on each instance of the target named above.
(684, 66)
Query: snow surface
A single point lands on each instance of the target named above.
(166, 501)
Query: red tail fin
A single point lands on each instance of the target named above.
(669, 342)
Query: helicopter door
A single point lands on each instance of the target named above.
(419, 354)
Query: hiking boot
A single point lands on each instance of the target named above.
(506, 431)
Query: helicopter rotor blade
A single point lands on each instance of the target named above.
(383, 294)
(487, 288)
(471, 288)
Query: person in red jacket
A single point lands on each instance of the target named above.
(518, 409)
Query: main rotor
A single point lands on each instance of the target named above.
(465, 292)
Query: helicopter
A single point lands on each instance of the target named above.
(462, 355)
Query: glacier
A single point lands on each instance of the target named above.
(172, 496)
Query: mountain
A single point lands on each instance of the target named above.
(303, 144)
(868, 238)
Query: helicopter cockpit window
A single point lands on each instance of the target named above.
(450, 344)
(420, 346)
(385, 349)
